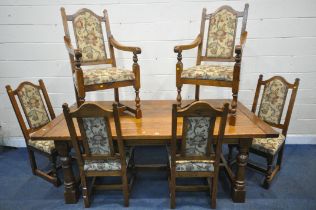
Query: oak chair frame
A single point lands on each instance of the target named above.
(83, 153)
(198, 42)
(269, 171)
(76, 62)
(51, 175)
(197, 109)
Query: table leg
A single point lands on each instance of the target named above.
(71, 192)
(238, 189)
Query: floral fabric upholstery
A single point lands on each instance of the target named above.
(272, 102)
(268, 145)
(88, 33)
(106, 75)
(106, 165)
(192, 165)
(221, 34)
(33, 106)
(45, 146)
(197, 132)
(97, 135)
(209, 72)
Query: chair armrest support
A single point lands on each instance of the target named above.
(117, 45)
(192, 45)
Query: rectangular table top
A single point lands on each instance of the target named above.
(156, 123)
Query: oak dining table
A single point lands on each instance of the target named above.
(154, 128)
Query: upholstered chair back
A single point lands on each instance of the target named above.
(273, 100)
(89, 35)
(95, 131)
(202, 131)
(33, 105)
(196, 133)
(221, 34)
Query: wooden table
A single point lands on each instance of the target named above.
(154, 128)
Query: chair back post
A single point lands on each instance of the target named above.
(290, 108)
(202, 29)
(47, 100)
(11, 94)
(244, 20)
(174, 136)
(256, 98)
(109, 35)
(221, 133)
(73, 134)
(119, 138)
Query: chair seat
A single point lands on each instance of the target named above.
(106, 75)
(192, 165)
(209, 72)
(46, 146)
(106, 165)
(268, 145)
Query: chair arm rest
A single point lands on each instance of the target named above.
(192, 45)
(74, 52)
(119, 46)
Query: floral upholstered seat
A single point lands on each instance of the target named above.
(193, 165)
(209, 72)
(268, 145)
(106, 75)
(107, 165)
(45, 146)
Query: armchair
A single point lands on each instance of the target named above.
(219, 48)
(91, 51)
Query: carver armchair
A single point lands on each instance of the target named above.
(90, 51)
(220, 47)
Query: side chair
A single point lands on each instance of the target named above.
(271, 109)
(223, 66)
(99, 155)
(200, 147)
(90, 51)
(37, 112)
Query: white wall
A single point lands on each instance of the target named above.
(282, 40)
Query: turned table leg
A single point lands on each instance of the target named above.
(238, 189)
(71, 193)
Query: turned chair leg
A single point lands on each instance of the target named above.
(137, 101)
(116, 95)
(232, 119)
(197, 92)
(267, 181)
(179, 98)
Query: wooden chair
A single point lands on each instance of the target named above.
(35, 112)
(219, 48)
(99, 157)
(270, 110)
(196, 157)
(91, 52)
